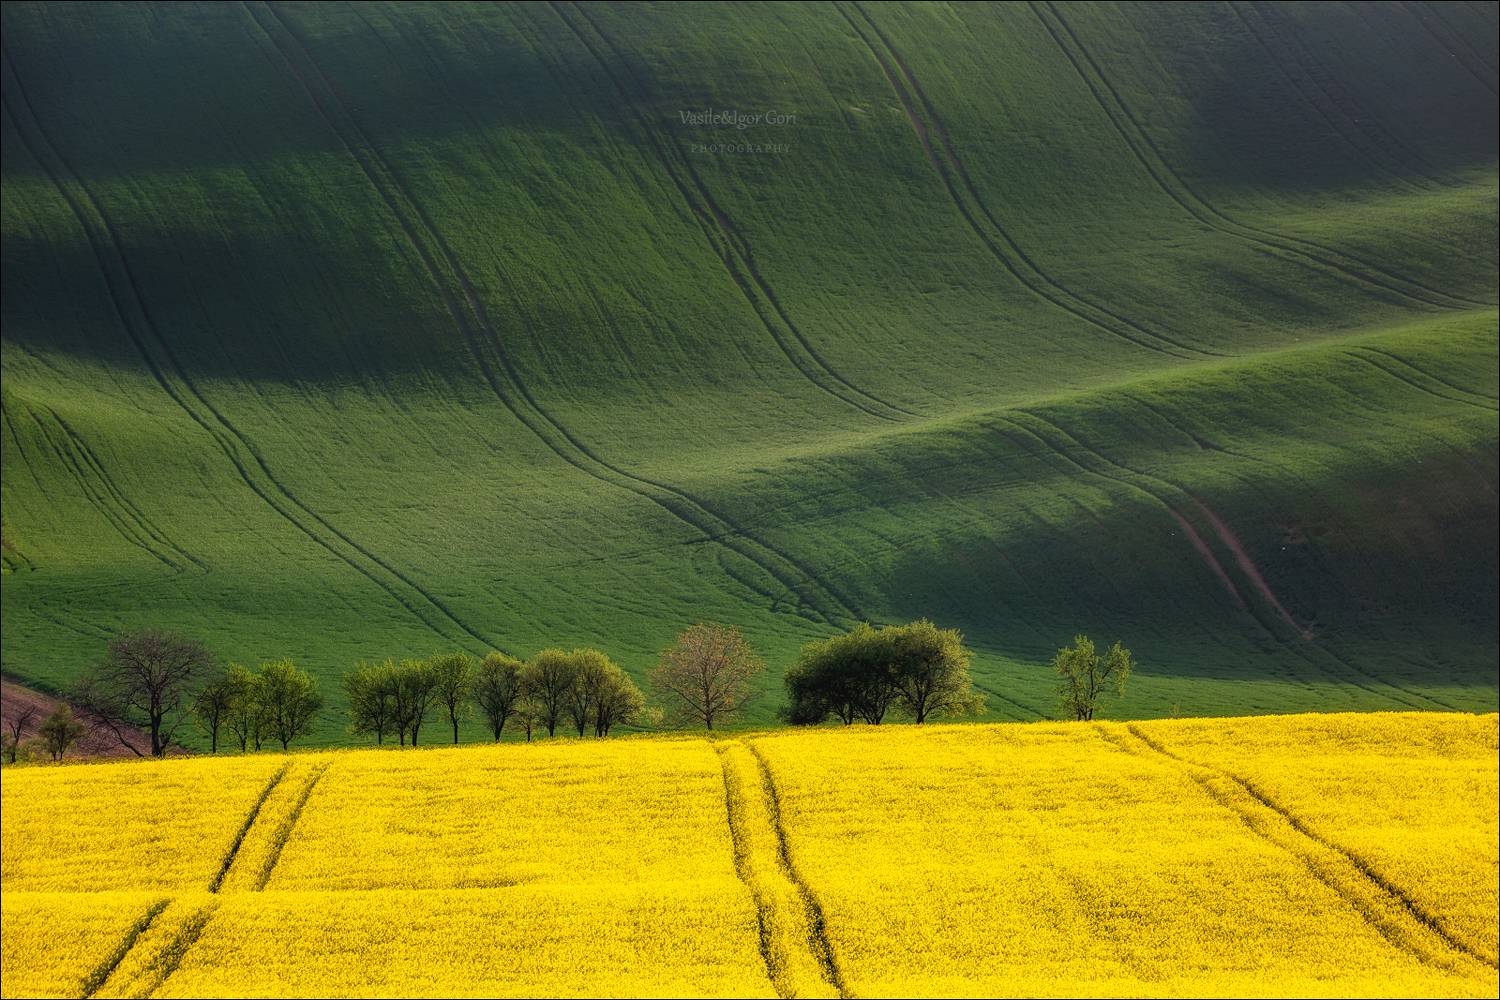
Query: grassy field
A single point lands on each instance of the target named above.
(351, 331)
(1350, 854)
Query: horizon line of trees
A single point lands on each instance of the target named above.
(152, 681)
(582, 688)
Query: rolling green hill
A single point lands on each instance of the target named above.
(346, 331)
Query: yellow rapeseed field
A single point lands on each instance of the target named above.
(1302, 855)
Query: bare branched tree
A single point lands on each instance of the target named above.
(706, 676)
(146, 680)
(16, 725)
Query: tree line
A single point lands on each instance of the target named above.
(150, 683)
(583, 689)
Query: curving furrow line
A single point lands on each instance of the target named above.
(1317, 256)
(818, 937)
(1454, 43)
(944, 158)
(1160, 489)
(1400, 901)
(134, 315)
(466, 307)
(1337, 107)
(1413, 375)
(1074, 452)
(1390, 366)
(128, 511)
(727, 239)
(97, 498)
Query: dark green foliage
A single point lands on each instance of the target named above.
(497, 690)
(371, 692)
(289, 701)
(919, 669)
(414, 689)
(1084, 675)
(213, 703)
(453, 685)
(59, 731)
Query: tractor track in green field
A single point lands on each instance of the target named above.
(105, 495)
(1300, 646)
(1316, 256)
(466, 307)
(135, 317)
(724, 236)
(1399, 898)
(1335, 112)
(1482, 398)
(114, 517)
(1455, 44)
(21, 448)
(1195, 539)
(1242, 560)
(964, 193)
(1413, 376)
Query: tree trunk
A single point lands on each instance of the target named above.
(455, 731)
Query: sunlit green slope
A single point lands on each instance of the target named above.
(345, 331)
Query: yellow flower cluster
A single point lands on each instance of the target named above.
(1072, 859)
(1333, 855)
(157, 824)
(1414, 803)
(487, 817)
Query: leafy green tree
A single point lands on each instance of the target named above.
(212, 705)
(289, 700)
(706, 676)
(617, 700)
(497, 690)
(865, 673)
(1083, 675)
(415, 687)
(817, 688)
(590, 675)
(547, 682)
(59, 731)
(930, 670)
(847, 676)
(245, 717)
(453, 685)
(371, 690)
(528, 711)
